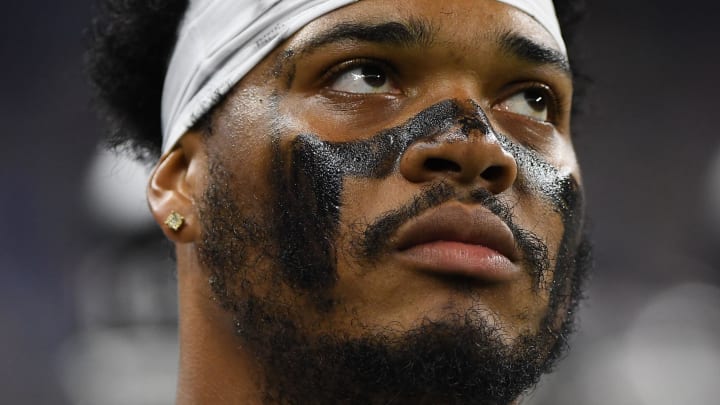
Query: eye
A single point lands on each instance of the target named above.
(363, 78)
(534, 102)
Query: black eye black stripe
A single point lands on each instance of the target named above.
(309, 181)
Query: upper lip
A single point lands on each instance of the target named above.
(462, 223)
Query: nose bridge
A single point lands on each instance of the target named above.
(467, 151)
(457, 85)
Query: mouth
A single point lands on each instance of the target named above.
(459, 240)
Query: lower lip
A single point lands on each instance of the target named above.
(456, 258)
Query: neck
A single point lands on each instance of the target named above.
(214, 367)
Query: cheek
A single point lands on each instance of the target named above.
(543, 139)
(358, 119)
(542, 219)
(561, 154)
(566, 160)
(249, 162)
(243, 141)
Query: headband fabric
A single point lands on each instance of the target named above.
(220, 41)
(543, 11)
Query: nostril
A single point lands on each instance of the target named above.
(493, 173)
(441, 165)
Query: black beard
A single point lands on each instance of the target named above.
(462, 358)
(458, 359)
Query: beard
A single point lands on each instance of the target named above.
(460, 358)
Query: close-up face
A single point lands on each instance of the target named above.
(321, 202)
(398, 175)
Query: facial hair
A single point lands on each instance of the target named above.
(461, 358)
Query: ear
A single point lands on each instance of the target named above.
(176, 185)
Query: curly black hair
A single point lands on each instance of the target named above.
(130, 44)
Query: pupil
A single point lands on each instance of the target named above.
(373, 76)
(536, 100)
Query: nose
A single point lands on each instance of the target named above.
(463, 153)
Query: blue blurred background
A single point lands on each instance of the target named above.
(87, 295)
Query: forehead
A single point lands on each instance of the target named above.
(452, 22)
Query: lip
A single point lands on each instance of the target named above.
(462, 240)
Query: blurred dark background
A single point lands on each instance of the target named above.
(87, 288)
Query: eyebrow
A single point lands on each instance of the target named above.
(528, 50)
(415, 32)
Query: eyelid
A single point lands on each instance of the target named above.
(332, 73)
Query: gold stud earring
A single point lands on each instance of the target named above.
(174, 221)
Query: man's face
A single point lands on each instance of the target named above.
(396, 184)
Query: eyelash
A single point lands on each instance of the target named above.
(556, 106)
(332, 73)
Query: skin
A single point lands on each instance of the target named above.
(289, 115)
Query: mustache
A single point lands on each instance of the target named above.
(374, 239)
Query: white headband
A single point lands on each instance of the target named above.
(220, 41)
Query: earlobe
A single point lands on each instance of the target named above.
(175, 185)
